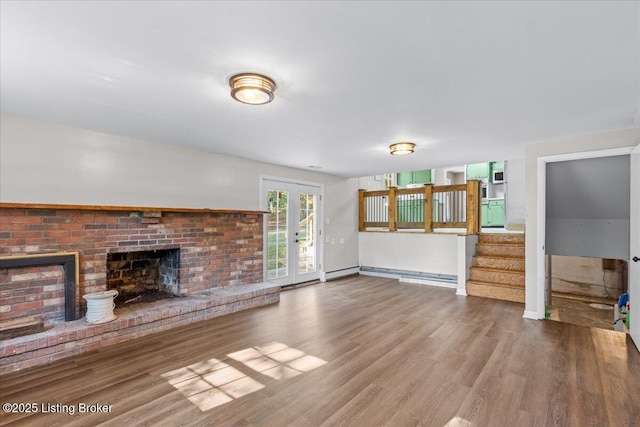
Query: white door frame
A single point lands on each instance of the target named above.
(319, 219)
(634, 242)
(542, 212)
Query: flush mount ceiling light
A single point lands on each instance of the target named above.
(401, 148)
(252, 88)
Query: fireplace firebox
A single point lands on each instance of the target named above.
(144, 276)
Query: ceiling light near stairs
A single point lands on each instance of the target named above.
(401, 148)
(252, 88)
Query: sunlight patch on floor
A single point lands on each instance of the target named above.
(458, 422)
(277, 360)
(212, 382)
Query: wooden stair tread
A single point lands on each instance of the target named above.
(502, 236)
(501, 285)
(518, 244)
(511, 233)
(498, 270)
(503, 256)
(493, 256)
(509, 257)
(510, 245)
(497, 291)
(502, 248)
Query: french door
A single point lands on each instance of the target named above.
(292, 231)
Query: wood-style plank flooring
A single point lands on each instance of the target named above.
(360, 351)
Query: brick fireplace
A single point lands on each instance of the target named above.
(186, 252)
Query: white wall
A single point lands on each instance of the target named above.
(49, 163)
(428, 253)
(515, 199)
(602, 141)
(466, 252)
(341, 232)
(439, 177)
(369, 183)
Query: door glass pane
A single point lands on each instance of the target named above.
(277, 265)
(306, 234)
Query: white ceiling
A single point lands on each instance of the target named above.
(465, 81)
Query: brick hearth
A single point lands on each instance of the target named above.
(70, 338)
(217, 250)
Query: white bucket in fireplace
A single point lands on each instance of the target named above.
(100, 306)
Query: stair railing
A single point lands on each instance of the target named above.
(423, 208)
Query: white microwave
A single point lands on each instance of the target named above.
(498, 177)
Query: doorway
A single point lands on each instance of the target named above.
(587, 238)
(292, 243)
(539, 287)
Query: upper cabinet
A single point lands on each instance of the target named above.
(485, 171)
(497, 166)
(404, 179)
(478, 171)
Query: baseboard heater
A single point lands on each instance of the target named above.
(336, 274)
(446, 280)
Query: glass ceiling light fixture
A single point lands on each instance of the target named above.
(401, 148)
(252, 88)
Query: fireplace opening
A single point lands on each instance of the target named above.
(144, 276)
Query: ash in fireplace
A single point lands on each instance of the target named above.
(146, 296)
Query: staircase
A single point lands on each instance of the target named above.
(498, 267)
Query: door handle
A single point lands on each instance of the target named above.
(635, 259)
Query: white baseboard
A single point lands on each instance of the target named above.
(340, 273)
(531, 315)
(462, 292)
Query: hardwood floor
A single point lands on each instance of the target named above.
(360, 351)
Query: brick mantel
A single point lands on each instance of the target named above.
(123, 208)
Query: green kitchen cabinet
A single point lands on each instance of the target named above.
(422, 177)
(404, 179)
(496, 213)
(484, 215)
(497, 166)
(492, 213)
(478, 171)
